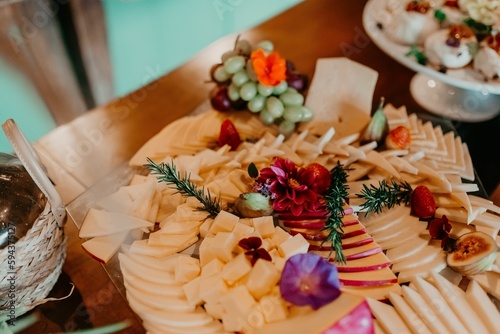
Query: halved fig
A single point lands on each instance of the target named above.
(474, 252)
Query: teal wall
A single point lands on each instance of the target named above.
(147, 38)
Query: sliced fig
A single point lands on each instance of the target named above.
(473, 253)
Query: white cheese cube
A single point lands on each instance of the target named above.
(264, 225)
(235, 324)
(262, 278)
(206, 253)
(280, 235)
(224, 222)
(255, 317)
(273, 308)
(187, 268)
(193, 202)
(212, 268)
(235, 269)
(238, 301)
(212, 288)
(295, 245)
(241, 230)
(267, 244)
(216, 310)
(192, 291)
(205, 227)
(223, 245)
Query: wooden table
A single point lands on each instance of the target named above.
(82, 152)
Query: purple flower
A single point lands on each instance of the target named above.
(309, 279)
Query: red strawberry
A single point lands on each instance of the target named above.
(229, 135)
(423, 204)
(322, 177)
(399, 138)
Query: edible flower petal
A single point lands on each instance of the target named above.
(309, 279)
(253, 250)
(270, 69)
(439, 229)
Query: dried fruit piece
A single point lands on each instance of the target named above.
(473, 253)
(398, 138)
(229, 135)
(322, 177)
(423, 204)
(251, 205)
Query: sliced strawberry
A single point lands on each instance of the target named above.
(229, 135)
(398, 138)
(423, 204)
(322, 177)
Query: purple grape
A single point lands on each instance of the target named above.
(297, 80)
(220, 100)
(239, 104)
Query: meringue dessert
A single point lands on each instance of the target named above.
(451, 48)
(412, 24)
(487, 59)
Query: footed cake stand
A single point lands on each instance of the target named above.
(459, 94)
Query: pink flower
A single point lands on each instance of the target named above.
(290, 188)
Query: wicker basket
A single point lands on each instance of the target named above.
(32, 265)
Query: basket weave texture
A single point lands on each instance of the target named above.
(39, 257)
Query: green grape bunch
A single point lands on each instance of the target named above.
(238, 88)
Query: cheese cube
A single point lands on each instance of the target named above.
(205, 227)
(216, 310)
(192, 291)
(241, 230)
(187, 268)
(262, 278)
(267, 244)
(193, 202)
(264, 225)
(235, 324)
(295, 245)
(212, 288)
(212, 268)
(280, 235)
(255, 318)
(224, 222)
(273, 308)
(238, 301)
(206, 253)
(235, 269)
(223, 245)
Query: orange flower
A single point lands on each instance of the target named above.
(271, 69)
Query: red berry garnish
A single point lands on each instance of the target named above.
(229, 135)
(399, 138)
(423, 204)
(322, 177)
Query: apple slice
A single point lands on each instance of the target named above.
(387, 317)
(353, 253)
(456, 299)
(346, 314)
(98, 223)
(375, 292)
(352, 242)
(415, 324)
(372, 262)
(314, 224)
(485, 308)
(379, 277)
(103, 248)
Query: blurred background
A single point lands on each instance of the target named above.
(61, 58)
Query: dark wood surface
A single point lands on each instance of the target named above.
(84, 151)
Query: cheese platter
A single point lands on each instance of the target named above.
(226, 266)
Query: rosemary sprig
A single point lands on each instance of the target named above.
(168, 173)
(335, 200)
(387, 194)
